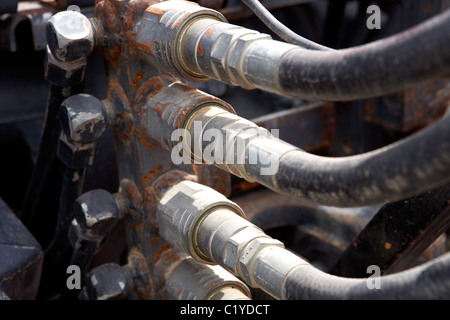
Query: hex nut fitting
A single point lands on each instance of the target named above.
(96, 212)
(236, 56)
(84, 118)
(162, 30)
(236, 244)
(80, 242)
(228, 52)
(70, 36)
(106, 282)
(191, 280)
(181, 101)
(249, 255)
(63, 74)
(75, 155)
(180, 210)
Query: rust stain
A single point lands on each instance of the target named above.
(149, 87)
(244, 186)
(124, 126)
(133, 194)
(149, 177)
(160, 251)
(155, 240)
(209, 31)
(180, 20)
(200, 48)
(130, 18)
(149, 200)
(161, 107)
(143, 138)
(156, 12)
(186, 88)
(137, 79)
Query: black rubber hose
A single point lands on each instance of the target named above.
(406, 168)
(279, 28)
(428, 281)
(374, 69)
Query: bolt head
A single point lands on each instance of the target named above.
(80, 243)
(236, 243)
(70, 36)
(63, 74)
(249, 254)
(83, 118)
(96, 212)
(75, 155)
(106, 282)
(237, 52)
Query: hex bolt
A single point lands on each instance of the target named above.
(82, 245)
(84, 118)
(75, 155)
(70, 36)
(105, 282)
(96, 213)
(63, 74)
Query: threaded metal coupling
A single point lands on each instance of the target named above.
(162, 29)
(181, 209)
(191, 280)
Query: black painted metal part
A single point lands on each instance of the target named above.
(90, 98)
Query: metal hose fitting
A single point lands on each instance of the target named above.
(181, 209)
(239, 147)
(191, 280)
(212, 229)
(170, 108)
(161, 31)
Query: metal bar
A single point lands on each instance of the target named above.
(397, 234)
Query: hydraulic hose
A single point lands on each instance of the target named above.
(207, 131)
(279, 28)
(406, 168)
(202, 45)
(375, 69)
(427, 281)
(212, 229)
